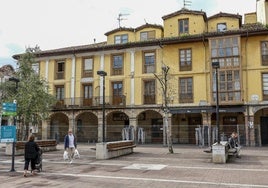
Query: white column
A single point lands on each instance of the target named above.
(73, 81)
(132, 73)
(46, 71)
(101, 77)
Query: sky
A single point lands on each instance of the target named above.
(52, 24)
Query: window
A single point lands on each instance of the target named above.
(117, 92)
(88, 67)
(225, 47)
(226, 51)
(149, 92)
(221, 27)
(60, 95)
(35, 68)
(264, 52)
(147, 35)
(184, 26)
(117, 64)
(185, 59)
(265, 86)
(149, 62)
(186, 90)
(88, 94)
(60, 69)
(121, 39)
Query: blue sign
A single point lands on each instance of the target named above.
(9, 109)
(8, 133)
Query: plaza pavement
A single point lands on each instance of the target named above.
(149, 166)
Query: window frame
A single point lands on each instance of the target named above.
(265, 86)
(223, 25)
(117, 93)
(184, 64)
(183, 26)
(264, 53)
(149, 91)
(148, 63)
(121, 39)
(60, 69)
(147, 35)
(186, 90)
(60, 92)
(87, 72)
(229, 74)
(87, 94)
(117, 71)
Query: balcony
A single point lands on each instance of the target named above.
(186, 97)
(80, 102)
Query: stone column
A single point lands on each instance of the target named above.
(250, 131)
(133, 123)
(45, 129)
(100, 123)
(206, 117)
(72, 125)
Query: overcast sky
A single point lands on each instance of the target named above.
(52, 24)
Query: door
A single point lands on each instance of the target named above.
(194, 122)
(264, 130)
(117, 93)
(157, 130)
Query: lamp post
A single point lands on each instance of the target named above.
(103, 74)
(16, 80)
(216, 66)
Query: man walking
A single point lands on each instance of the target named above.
(70, 145)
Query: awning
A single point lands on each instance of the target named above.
(204, 109)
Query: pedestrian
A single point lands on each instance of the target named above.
(233, 142)
(70, 145)
(30, 155)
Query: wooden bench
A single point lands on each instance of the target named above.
(109, 150)
(120, 145)
(45, 145)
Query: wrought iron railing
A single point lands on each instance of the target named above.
(80, 102)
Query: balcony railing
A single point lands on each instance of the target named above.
(186, 97)
(80, 102)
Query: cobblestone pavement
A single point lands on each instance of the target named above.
(148, 166)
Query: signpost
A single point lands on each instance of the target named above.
(8, 133)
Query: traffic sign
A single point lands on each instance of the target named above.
(8, 133)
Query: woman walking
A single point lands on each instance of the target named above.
(30, 154)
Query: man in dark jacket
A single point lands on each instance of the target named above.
(70, 144)
(30, 154)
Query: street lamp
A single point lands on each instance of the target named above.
(216, 66)
(16, 80)
(103, 74)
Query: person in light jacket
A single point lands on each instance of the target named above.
(70, 145)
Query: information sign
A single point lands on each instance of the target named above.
(8, 133)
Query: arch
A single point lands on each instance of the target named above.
(86, 124)
(116, 121)
(150, 124)
(59, 125)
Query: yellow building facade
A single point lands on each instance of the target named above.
(140, 62)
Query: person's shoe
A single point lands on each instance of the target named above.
(71, 161)
(33, 172)
(25, 173)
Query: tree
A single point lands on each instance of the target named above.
(163, 80)
(32, 93)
